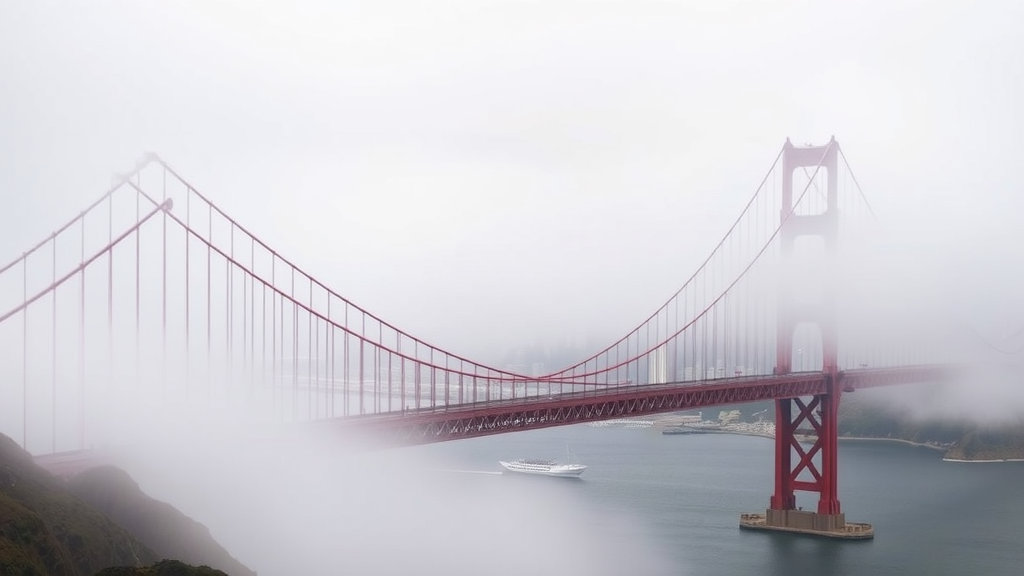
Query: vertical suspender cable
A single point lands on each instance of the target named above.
(281, 329)
(378, 380)
(138, 264)
(245, 325)
(334, 368)
(163, 297)
(53, 359)
(263, 338)
(228, 348)
(81, 347)
(309, 353)
(275, 386)
(362, 357)
(209, 307)
(24, 355)
(110, 294)
(262, 333)
(346, 388)
(316, 402)
(251, 333)
(229, 311)
(295, 350)
(188, 267)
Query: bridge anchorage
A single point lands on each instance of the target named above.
(817, 418)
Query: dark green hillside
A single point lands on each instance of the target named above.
(964, 439)
(990, 444)
(157, 524)
(47, 531)
(866, 417)
(162, 568)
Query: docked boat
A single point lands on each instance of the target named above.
(543, 467)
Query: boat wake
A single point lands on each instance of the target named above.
(488, 472)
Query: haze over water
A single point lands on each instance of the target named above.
(684, 495)
(648, 504)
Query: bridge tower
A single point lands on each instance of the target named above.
(795, 468)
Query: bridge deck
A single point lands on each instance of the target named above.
(495, 417)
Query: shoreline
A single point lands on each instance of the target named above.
(934, 447)
(960, 460)
(944, 449)
(854, 438)
(900, 440)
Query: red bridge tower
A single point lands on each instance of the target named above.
(795, 468)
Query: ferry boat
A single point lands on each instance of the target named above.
(544, 467)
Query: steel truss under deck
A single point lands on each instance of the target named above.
(436, 425)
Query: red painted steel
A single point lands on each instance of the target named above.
(498, 416)
(822, 312)
(677, 359)
(783, 498)
(85, 262)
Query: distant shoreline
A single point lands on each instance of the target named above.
(944, 449)
(900, 440)
(982, 461)
(855, 438)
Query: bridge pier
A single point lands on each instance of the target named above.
(815, 419)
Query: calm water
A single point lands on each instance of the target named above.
(657, 504)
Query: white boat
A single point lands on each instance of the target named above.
(544, 467)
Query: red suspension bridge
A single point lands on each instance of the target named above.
(154, 301)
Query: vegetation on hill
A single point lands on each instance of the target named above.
(962, 438)
(98, 522)
(46, 530)
(990, 444)
(873, 418)
(869, 416)
(156, 524)
(162, 568)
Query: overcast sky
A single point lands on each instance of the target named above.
(490, 174)
(485, 174)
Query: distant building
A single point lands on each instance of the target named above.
(657, 366)
(729, 416)
(690, 419)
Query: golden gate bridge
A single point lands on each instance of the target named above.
(154, 303)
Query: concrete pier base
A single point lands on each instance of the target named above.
(810, 523)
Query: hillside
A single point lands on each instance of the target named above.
(96, 522)
(162, 568)
(989, 444)
(962, 438)
(156, 524)
(46, 530)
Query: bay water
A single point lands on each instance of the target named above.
(669, 504)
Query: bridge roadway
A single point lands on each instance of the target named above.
(425, 425)
(428, 425)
